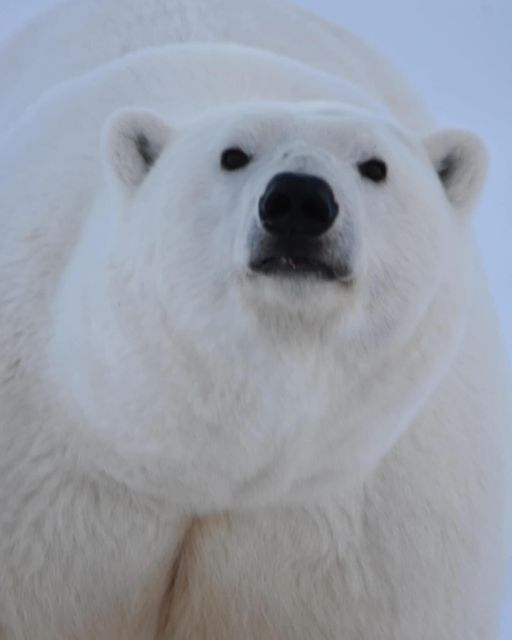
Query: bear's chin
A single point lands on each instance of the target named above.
(296, 302)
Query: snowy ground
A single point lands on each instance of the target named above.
(458, 54)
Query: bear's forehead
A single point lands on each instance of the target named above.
(269, 119)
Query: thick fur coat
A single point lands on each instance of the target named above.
(188, 449)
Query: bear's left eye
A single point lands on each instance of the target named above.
(373, 169)
(234, 158)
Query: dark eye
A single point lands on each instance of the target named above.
(373, 169)
(233, 159)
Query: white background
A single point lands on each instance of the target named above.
(458, 55)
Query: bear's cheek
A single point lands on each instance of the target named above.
(405, 255)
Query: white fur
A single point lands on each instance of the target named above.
(75, 37)
(190, 451)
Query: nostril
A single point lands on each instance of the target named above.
(315, 209)
(278, 204)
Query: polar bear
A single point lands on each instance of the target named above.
(251, 380)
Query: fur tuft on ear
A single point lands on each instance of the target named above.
(460, 160)
(133, 140)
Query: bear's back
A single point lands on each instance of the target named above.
(90, 33)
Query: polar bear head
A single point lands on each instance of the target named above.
(289, 283)
(310, 216)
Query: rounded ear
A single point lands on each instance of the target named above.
(133, 140)
(460, 160)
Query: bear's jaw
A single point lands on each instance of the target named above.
(296, 258)
(293, 266)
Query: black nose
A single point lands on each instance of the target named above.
(297, 204)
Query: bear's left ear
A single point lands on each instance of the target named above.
(460, 160)
(133, 139)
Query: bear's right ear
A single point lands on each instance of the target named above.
(460, 160)
(133, 139)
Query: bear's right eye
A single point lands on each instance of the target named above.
(234, 158)
(373, 169)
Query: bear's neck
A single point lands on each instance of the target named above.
(162, 416)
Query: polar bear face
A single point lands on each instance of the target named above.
(315, 217)
(289, 283)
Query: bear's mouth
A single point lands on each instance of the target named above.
(298, 258)
(295, 266)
